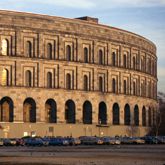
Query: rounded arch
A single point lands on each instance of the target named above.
(5, 77)
(5, 47)
(85, 83)
(143, 116)
(116, 114)
(113, 59)
(28, 78)
(102, 116)
(29, 110)
(51, 111)
(49, 51)
(49, 80)
(127, 114)
(124, 61)
(101, 84)
(86, 54)
(136, 115)
(68, 81)
(134, 63)
(101, 58)
(113, 85)
(29, 49)
(68, 53)
(134, 88)
(87, 112)
(7, 109)
(70, 111)
(125, 87)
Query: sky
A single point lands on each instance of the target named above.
(144, 17)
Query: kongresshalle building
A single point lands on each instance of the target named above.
(74, 77)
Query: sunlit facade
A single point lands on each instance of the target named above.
(74, 77)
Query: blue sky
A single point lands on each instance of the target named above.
(145, 17)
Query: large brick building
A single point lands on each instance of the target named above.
(61, 76)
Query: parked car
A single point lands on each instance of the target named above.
(13, 142)
(126, 140)
(137, 140)
(33, 142)
(1, 142)
(150, 139)
(106, 140)
(73, 141)
(55, 141)
(161, 139)
(65, 141)
(99, 141)
(111, 140)
(91, 140)
(6, 142)
(45, 141)
(20, 142)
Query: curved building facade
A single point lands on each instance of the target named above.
(61, 76)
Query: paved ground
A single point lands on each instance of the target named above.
(84, 155)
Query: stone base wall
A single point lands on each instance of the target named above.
(11, 130)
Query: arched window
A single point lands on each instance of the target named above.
(86, 55)
(144, 116)
(113, 85)
(101, 58)
(49, 51)
(125, 61)
(101, 84)
(142, 64)
(29, 110)
(136, 115)
(28, 78)
(149, 117)
(141, 88)
(5, 77)
(29, 49)
(68, 53)
(134, 63)
(49, 80)
(144, 89)
(127, 114)
(149, 65)
(125, 87)
(113, 59)
(50, 111)
(68, 81)
(102, 116)
(5, 47)
(7, 108)
(85, 83)
(134, 88)
(149, 89)
(70, 112)
(87, 113)
(116, 114)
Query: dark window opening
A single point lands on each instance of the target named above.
(87, 112)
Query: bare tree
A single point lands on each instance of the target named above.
(157, 122)
(132, 130)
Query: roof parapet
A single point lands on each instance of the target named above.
(89, 19)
